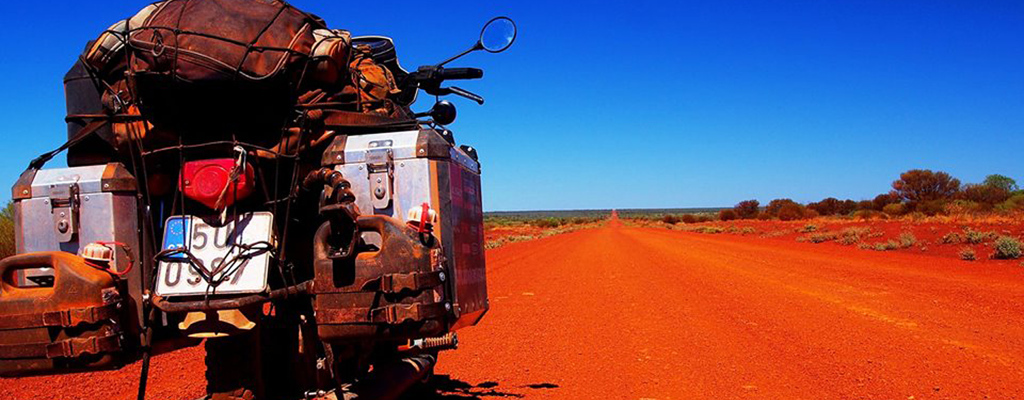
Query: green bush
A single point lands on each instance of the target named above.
(7, 230)
(1007, 248)
(809, 228)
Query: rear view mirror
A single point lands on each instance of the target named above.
(497, 35)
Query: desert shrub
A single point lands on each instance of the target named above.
(1014, 203)
(747, 209)
(907, 240)
(670, 219)
(726, 215)
(865, 205)
(931, 207)
(822, 237)
(886, 246)
(968, 254)
(747, 230)
(688, 218)
(705, 218)
(867, 214)
(922, 185)
(547, 223)
(708, 229)
(809, 228)
(884, 199)
(976, 237)
(828, 206)
(984, 194)
(853, 235)
(774, 207)
(775, 234)
(895, 209)
(1006, 248)
(7, 230)
(964, 207)
(952, 238)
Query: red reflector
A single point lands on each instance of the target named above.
(208, 182)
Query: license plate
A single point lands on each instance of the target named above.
(239, 270)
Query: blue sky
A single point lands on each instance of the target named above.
(653, 104)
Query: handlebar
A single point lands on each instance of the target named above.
(461, 73)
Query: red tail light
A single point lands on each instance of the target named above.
(209, 182)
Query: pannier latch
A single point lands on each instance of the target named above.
(379, 165)
(64, 206)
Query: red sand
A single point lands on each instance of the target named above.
(619, 312)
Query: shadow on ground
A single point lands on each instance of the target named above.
(443, 387)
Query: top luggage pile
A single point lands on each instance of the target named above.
(224, 70)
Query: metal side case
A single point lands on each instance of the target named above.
(395, 173)
(66, 209)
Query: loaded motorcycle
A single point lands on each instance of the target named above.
(243, 176)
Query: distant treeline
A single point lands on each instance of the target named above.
(917, 192)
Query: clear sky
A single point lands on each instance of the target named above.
(652, 104)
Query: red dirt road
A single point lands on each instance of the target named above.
(639, 313)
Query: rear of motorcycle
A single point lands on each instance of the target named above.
(346, 261)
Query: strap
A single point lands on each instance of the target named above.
(70, 348)
(83, 133)
(63, 318)
(392, 315)
(416, 281)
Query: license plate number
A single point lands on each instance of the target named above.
(238, 270)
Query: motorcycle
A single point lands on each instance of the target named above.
(336, 261)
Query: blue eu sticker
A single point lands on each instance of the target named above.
(175, 234)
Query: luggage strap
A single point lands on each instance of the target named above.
(81, 135)
(392, 315)
(416, 281)
(62, 318)
(69, 348)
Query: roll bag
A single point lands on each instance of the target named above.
(214, 68)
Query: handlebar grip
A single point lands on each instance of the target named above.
(462, 73)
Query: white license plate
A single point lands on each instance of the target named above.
(246, 270)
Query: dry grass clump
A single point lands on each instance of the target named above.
(853, 235)
(1007, 248)
(967, 254)
(976, 237)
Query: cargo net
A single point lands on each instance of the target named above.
(260, 82)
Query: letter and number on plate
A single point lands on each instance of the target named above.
(222, 249)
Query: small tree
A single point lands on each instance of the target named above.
(726, 215)
(885, 199)
(775, 206)
(985, 194)
(921, 185)
(828, 206)
(747, 209)
(1002, 182)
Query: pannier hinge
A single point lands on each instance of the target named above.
(64, 206)
(380, 167)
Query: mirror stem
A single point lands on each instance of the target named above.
(477, 46)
